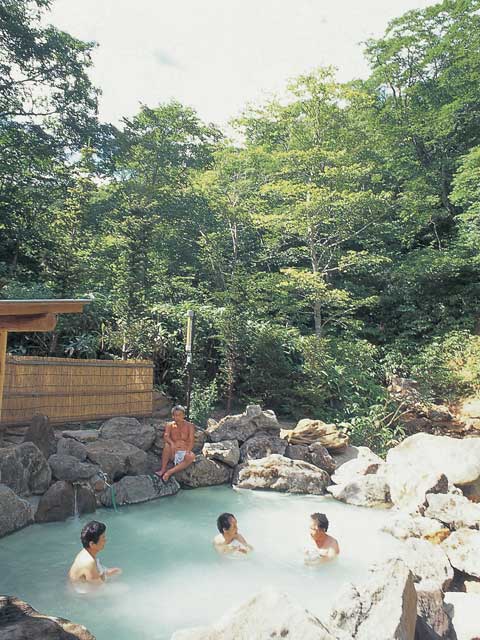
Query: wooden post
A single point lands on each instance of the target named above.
(3, 364)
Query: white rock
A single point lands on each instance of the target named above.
(365, 462)
(402, 526)
(384, 607)
(466, 616)
(428, 563)
(362, 491)
(278, 473)
(463, 550)
(415, 466)
(454, 510)
(268, 614)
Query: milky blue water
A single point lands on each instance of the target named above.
(172, 577)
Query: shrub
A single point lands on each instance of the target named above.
(202, 403)
(340, 377)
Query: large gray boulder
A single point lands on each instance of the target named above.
(81, 435)
(278, 473)
(128, 430)
(15, 513)
(72, 447)
(62, 501)
(314, 453)
(463, 550)
(24, 469)
(19, 621)
(243, 426)
(433, 620)
(321, 457)
(41, 433)
(227, 452)
(204, 473)
(420, 459)
(268, 614)
(363, 491)
(261, 446)
(117, 458)
(297, 452)
(70, 468)
(384, 607)
(136, 489)
(454, 510)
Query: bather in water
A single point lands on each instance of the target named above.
(229, 540)
(87, 570)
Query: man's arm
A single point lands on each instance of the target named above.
(241, 539)
(92, 574)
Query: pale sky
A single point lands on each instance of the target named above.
(218, 55)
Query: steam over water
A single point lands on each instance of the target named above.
(172, 576)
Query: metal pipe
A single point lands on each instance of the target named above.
(189, 352)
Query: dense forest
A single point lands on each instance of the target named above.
(334, 247)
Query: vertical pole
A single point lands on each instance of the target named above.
(3, 364)
(189, 351)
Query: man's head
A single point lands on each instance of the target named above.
(93, 536)
(178, 412)
(227, 523)
(319, 523)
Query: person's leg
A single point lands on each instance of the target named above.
(187, 461)
(166, 457)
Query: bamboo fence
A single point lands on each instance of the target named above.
(68, 390)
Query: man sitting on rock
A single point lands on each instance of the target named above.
(326, 547)
(179, 438)
(87, 567)
(229, 540)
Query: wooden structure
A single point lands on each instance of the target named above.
(70, 390)
(30, 315)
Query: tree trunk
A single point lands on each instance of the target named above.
(317, 305)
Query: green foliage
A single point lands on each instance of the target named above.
(449, 365)
(202, 404)
(340, 377)
(376, 429)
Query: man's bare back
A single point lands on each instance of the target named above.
(85, 568)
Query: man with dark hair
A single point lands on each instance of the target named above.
(326, 547)
(179, 438)
(229, 539)
(87, 567)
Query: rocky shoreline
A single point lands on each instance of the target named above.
(430, 483)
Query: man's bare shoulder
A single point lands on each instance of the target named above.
(333, 544)
(84, 559)
(219, 540)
